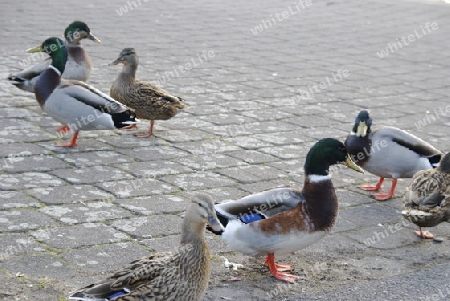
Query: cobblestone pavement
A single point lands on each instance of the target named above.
(266, 80)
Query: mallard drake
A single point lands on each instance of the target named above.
(427, 199)
(182, 275)
(388, 152)
(74, 103)
(283, 220)
(78, 65)
(147, 100)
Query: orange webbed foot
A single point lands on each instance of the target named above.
(64, 129)
(382, 196)
(71, 143)
(424, 234)
(129, 127)
(277, 270)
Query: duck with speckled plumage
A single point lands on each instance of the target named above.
(427, 199)
(179, 276)
(147, 100)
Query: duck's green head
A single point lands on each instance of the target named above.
(444, 165)
(127, 56)
(56, 49)
(363, 122)
(78, 30)
(327, 152)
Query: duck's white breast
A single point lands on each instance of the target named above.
(248, 240)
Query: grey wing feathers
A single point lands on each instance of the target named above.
(268, 203)
(32, 71)
(91, 96)
(407, 140)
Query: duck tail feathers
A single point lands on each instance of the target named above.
(123, 119)
(435, 159)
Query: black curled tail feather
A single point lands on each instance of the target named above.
(435, 159)
(123, 119)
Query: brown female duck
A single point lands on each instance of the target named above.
(427, 199)
(147, 100)
(182, 275)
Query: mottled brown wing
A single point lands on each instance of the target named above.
(154, 92)
(142, 270)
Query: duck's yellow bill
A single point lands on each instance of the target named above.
(35, 49)
(361, 130)
(349, 163)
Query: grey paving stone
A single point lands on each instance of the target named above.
(33, 163)
(101, 260)
(129, 141)
(149, 226)
(370, 214)
(210, 161)
(69, 194)
(264, 185)
(95, 158)
(197, 181)
(349, 198)
(152, 169)
(83, 145)
(287, 151)
(91, 175)
(252, 156)
(156, 204)
(87, 234)
(14, 199)
(224, 119)
(24, 135)
(340, 244)
(219, 194)
(153, 153)
(16, 245)
(342, 225)
(21, 220)
(387, 237)
(10, 151)
(17, 124)
(44, 265)
(85, 212)
(247, 142)
(17, 113)
(282, 138)
(137, 187)
(175, 136)
(253, 173)
(209, 146)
